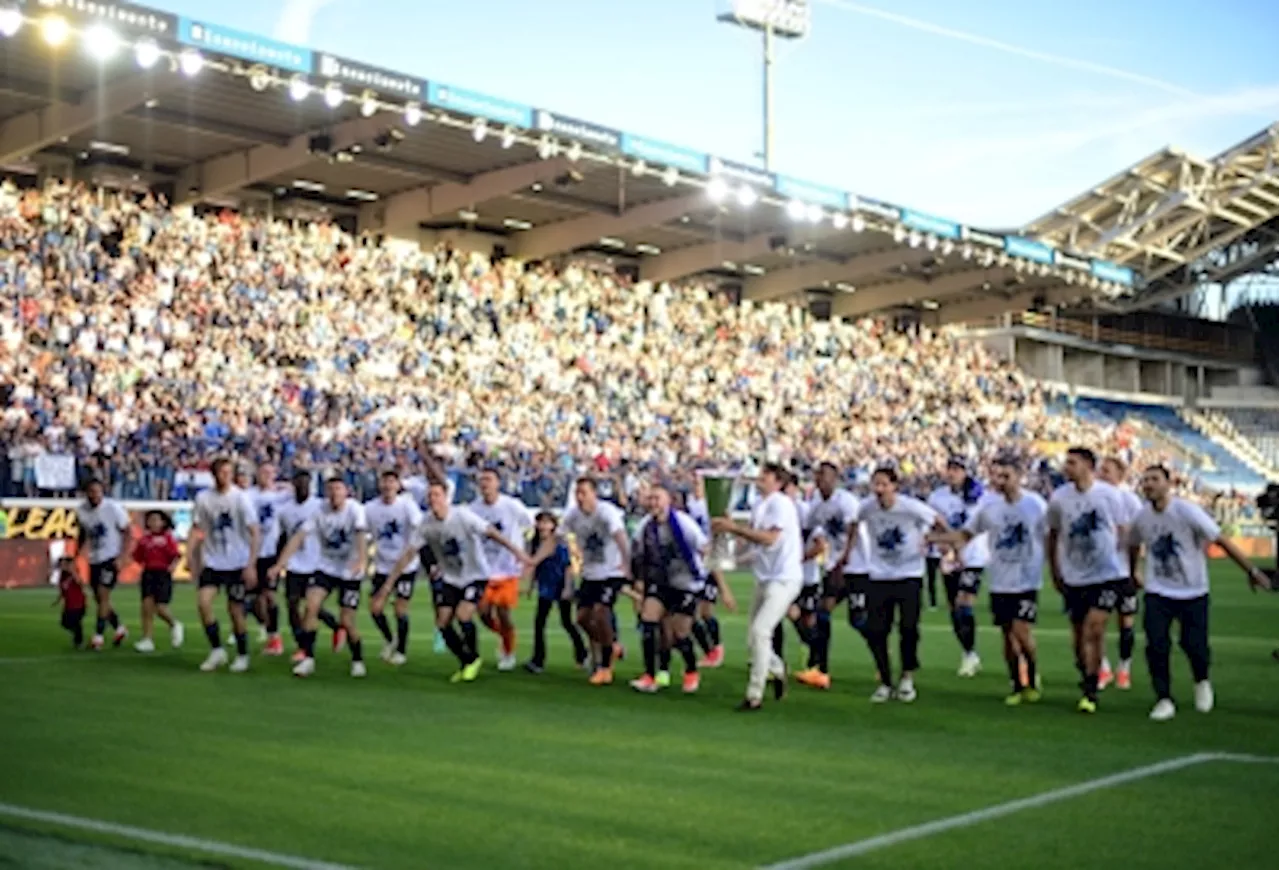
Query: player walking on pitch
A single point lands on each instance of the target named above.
(341, 534)
(393, 517)
(1174, 533)
(103, 539)
(511, 518)
(1015, 525)
(1113, 471)
(222, 557)
(1086, 531)
(774, 531)
(600, 538)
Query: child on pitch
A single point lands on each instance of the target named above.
(71, 596)
(157, 552)
(552, 579)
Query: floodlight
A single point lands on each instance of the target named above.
(813, 213)
(333, 95)
(796, 210)
(259, 78)
(368, 104)
(190, 62)
(55, 30)
(717, 189)
(299, 88)
(508, 137)
(575, 152)
(858, 224)
(101, 42)
(146, 53)
(638, 168)
(747, 196)
(479, 129)
(670, 176)
(10, 21)
(839, 220)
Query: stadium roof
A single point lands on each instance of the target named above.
(1177, 219)
(118, 92)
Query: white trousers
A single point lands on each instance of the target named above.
(768, 609)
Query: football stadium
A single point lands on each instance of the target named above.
(397, 475)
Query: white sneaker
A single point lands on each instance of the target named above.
(1204, 696)
(304, 668)
(397, 659)
(262, 634)
(1163, 711)
(358, 669)
(240, 665)
(881, 695)
(177, 635)
(216, 659)
(970, 665)
(507, 662)
(231, 639)
(388, 650)
(96, 642)
(146, 645)
(906, 691)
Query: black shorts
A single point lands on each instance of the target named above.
(856, 589)
(810, 598)
(404, 586)
(1097, 596)
(348, 593)
(711, 592)
(967, 580)
(157, 585)
(1128, 605)
(883, 597)
(103, 575)
(264, 581)
(602, 592)
(296, 585)
(71, 619)
(1010, 607)
(673, 601)
(447, 596)
(231, 581)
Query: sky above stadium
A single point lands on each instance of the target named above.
(991, 112)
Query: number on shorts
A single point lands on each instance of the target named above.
(1026, 610)
(350, 599)
(858, 600)
(1129, 603)
(469, 594)
(404, 588)
(606, 596)
(1107, 599)
(235, 591)
(686, 601)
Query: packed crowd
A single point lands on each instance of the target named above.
(146, 339)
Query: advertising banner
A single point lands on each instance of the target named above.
(664, 153)
(1028, 250)
(1111, 272)
(591, 135)
(812, 193)
(927, 223)
(127, 17)
(385, 82)
(480, 105)
(246, 46)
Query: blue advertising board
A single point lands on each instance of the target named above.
(246, 46)
(927, 223)
(1037, 252)
(817, 194)
(592, 135)
(480, 105)
(653, 150)
(1111, 272)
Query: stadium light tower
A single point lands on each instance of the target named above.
(774, 19)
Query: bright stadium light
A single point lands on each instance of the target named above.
(575, 152)
(101, 42)
(947, 247)
(858, 224)
(368, 104)
(931, 242)
(55, 30)
(259, 78)
(479, 129)
(670, 176)
(299, 89)
(190, 62)
(333, 95)
(899, 233)
(546, 147)
(717, 189)
(10, 21)
(747, 196)
(413, 114)
(146, 53)
(967, 252)
(796, 210)
(813, 213)
(638, 168)
(839, 220)
(914, 239)
(508, 137)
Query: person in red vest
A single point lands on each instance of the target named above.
(157, 553)
(71, 596)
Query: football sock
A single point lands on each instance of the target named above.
(701, 635)
(469, 641)
(1126, 643)
(357, 650)
(402, 634)
(713, 630)
(650, 632)
(114, 619)
(242, 643)
(380, 620)
(273, 618)
(330, 621)
(685, 646)
(214, 636)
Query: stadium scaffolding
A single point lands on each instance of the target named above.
(1177, 219)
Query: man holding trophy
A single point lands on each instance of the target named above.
(774, 531)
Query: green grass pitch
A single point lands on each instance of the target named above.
(404, 770)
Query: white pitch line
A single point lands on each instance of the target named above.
(195, 844)
(965, 820)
